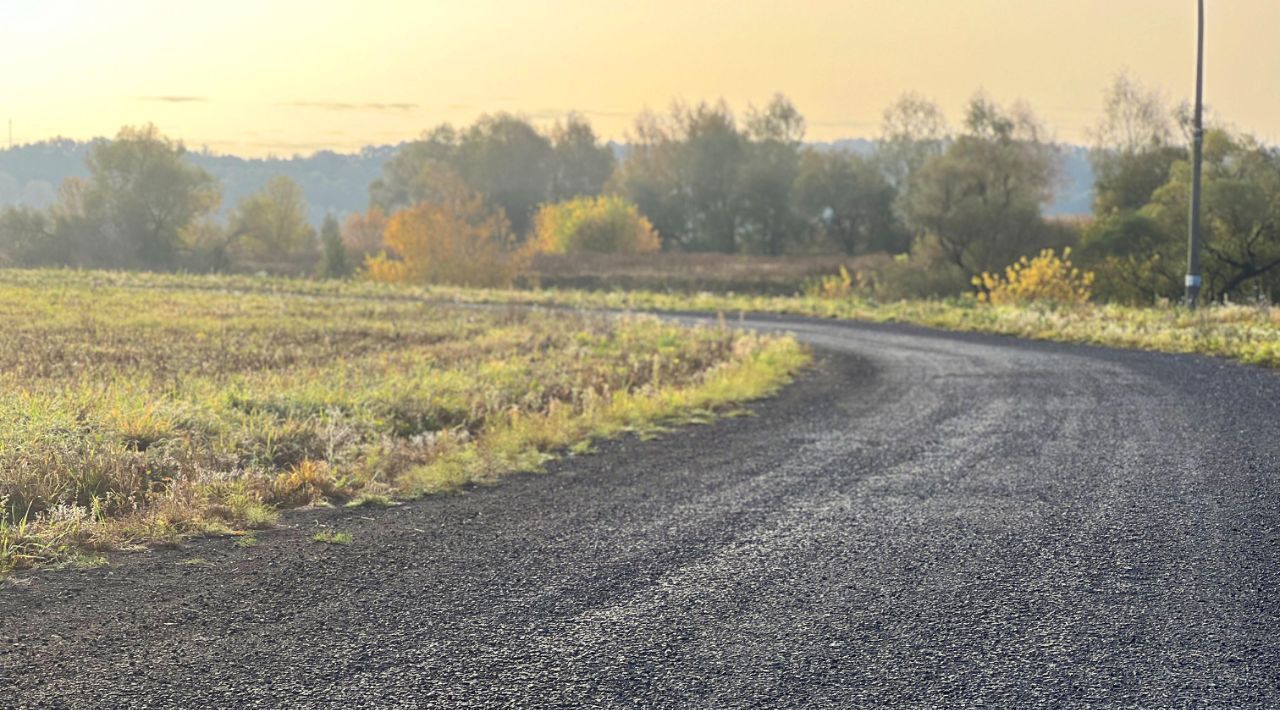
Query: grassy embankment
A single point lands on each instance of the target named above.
(139, 409)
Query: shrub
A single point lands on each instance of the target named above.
(605, 224)
(1046, 278)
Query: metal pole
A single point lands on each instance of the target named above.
(1197, 146)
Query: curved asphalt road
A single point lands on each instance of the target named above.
(925, 520)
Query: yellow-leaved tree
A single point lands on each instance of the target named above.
(452, 238)
(607, 224)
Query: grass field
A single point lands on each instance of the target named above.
(139, 409)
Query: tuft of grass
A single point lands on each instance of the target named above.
(372, 500)
(246, 541)
(332, 538)
(80, 560)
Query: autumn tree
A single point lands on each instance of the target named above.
(454, 239)
(146, 193)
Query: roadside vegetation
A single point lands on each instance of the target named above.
(139, 409)
(1247, 333)
(1043, 298)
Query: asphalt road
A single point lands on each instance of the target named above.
(924, 520)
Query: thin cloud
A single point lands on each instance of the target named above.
(348, 106)
(550, 113)
(174, 99)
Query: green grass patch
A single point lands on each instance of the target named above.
(332, 538)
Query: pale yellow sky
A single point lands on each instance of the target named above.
(282, 76)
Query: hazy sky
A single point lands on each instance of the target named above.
(284, 76)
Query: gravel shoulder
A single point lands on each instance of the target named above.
(925, 519)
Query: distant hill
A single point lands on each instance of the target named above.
(338, 183)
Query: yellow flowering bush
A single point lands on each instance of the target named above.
(1047, 278)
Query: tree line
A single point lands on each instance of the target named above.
(333, 182)
(933, 204)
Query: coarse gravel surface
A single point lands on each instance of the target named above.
(925, 519)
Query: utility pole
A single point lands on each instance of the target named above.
(1197, 147)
